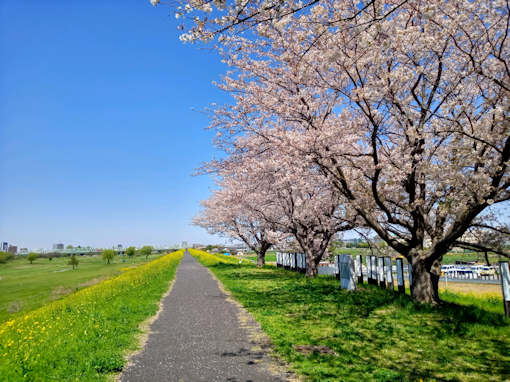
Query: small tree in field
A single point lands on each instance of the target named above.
(130, 251)
(31, 257)
(73, 261)
(5, 256)
(108, 255)
(146, 251)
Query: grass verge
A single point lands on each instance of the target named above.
(85, 336)
(373, 334)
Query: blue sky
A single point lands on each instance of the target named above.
(98, 136)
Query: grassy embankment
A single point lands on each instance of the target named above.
(86, 335)
(326, 333)
(28, 286)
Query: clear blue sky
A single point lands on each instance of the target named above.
(98, 138)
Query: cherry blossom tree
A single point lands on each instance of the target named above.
(205, 19)
(293, 198)
(228, 213)
(408, 117)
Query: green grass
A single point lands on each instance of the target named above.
(377, 335)
(270, 257)
(86, 335)
(452, 257)
(28, 286)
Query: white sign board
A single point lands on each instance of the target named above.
(380, 269)
(389, 273)
(347, 273)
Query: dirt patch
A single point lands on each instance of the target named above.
(95, 281)
(309, 349)
(260, 341)
(15, 306)
(59, 292)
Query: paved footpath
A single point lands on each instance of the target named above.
(197, 336)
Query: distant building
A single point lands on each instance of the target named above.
(23, 251)
(5, 246)
(12, 249)
(58, 246)
(184, 244)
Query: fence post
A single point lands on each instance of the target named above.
(505, 284)
(337, 266)
(389, 273)
(373, 261)
(369, 269)
(380, 271)
(277, 259)
(294, 258)
(347, 272)
(410, 273)
(359, 268)
(400, 276)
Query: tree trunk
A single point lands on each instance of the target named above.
(425, 281)
(261, 259)
(311, 266)
(487, 259)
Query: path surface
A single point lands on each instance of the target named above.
(197, 336)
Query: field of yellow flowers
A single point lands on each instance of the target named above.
(85, 336)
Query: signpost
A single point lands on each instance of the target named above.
(505, 284)
(389, 273)
(400, 276)
(347, 272)
(380, 271)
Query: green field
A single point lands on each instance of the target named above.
(326, 333)
(87, 335)
(28, 286)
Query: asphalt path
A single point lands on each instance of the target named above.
(198, 336)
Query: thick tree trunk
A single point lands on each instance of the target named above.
(261, 259)
(487, 259)
(425, 281)
(311, 266)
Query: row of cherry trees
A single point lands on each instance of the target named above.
(389, 115)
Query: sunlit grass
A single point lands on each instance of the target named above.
(373, 334)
